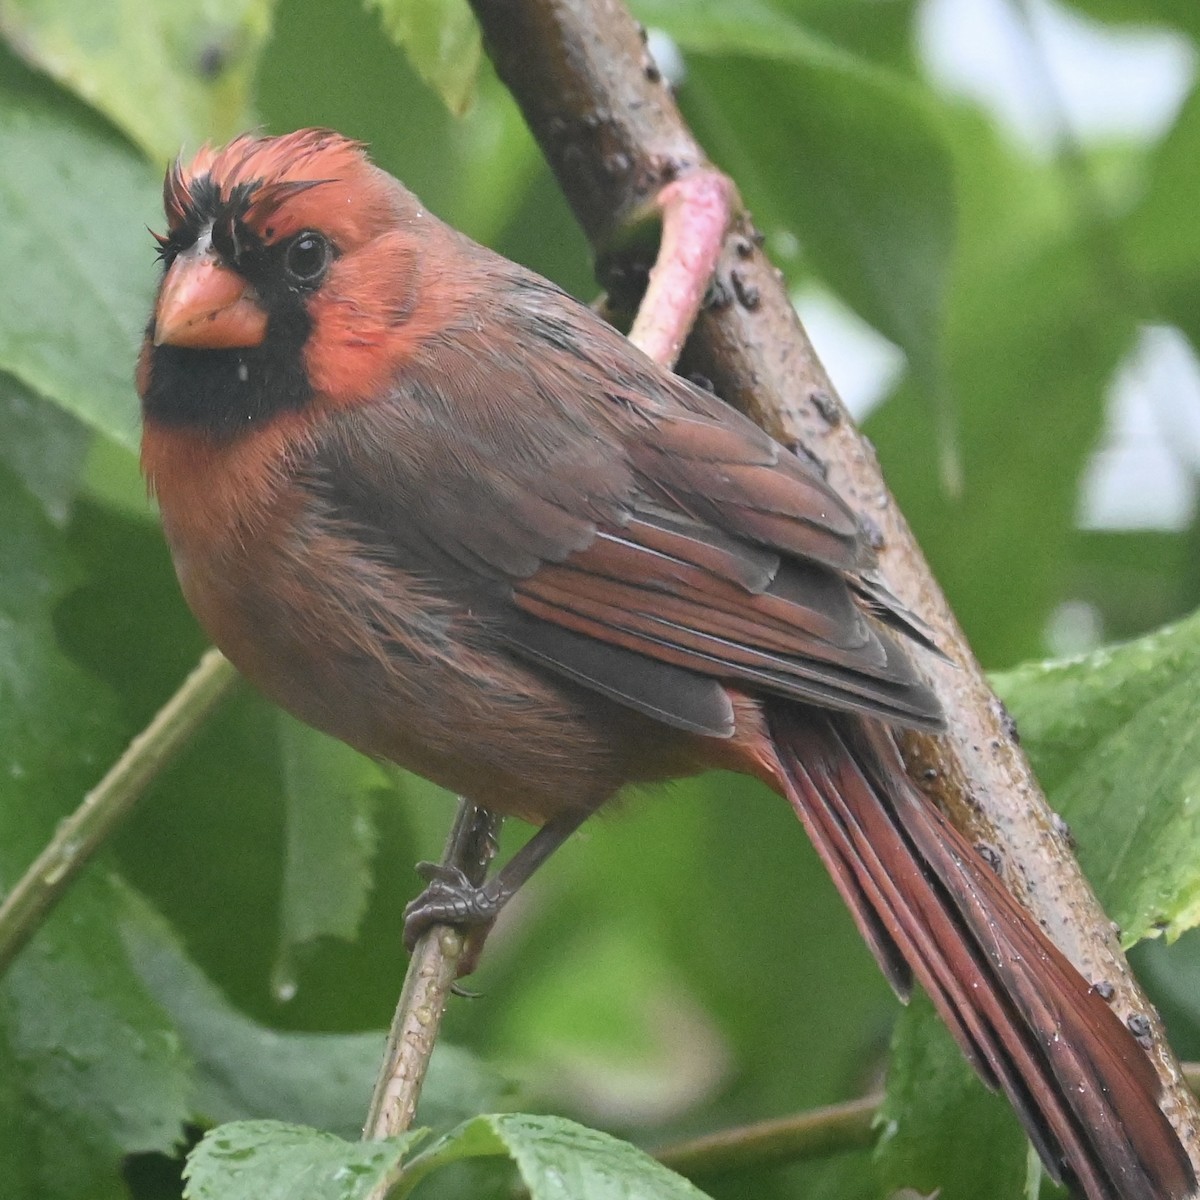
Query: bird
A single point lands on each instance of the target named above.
(434, 506)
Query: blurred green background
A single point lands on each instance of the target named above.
(986, 208)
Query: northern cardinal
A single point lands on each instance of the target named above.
(434, 506)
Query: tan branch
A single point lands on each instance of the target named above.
(428, 983)
(817, 1133)
(611, 131)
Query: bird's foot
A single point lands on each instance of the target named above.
(452, 899)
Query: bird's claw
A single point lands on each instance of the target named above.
(450, 899)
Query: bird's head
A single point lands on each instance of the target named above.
(290, 269)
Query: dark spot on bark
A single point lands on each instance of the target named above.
(800, 450)
(828, 409)
(746, 292)
(1139, 1025)
(718, 295)
(872, 531)
(990, 855)
(1006, 719)
(1062, 829)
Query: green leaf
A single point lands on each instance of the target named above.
(268, 1160)
(472, 171)
(92, 1069)
(245, 1070)
(1034, 336)
(164, 73)
(329, 790)
(1114, 739)
(1170, 972)
(44, 446)
(441, 40)
(74, 204)
(557, 1160)
(738, 27)
(883, 31)
(614, 1021)
(942, 1129)
(1160, 234)
(1182, 13)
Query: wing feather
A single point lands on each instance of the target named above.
(580, 500)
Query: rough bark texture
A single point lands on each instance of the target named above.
(609, 126)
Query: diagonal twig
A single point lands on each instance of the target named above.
(81, 835)
(428, 982)
(609, 126)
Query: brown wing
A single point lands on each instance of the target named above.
(657, 589)
(575, 496)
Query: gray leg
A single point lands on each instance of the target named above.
(452, 899)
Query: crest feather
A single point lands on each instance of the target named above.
(263, 173)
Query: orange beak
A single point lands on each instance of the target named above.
(205, 305)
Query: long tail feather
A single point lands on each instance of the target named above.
(931, 908)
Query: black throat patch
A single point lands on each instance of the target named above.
(226, 392)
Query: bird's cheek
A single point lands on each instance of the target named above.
(372, 316)
(350, 355)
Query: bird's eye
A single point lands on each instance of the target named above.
(307, 258)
